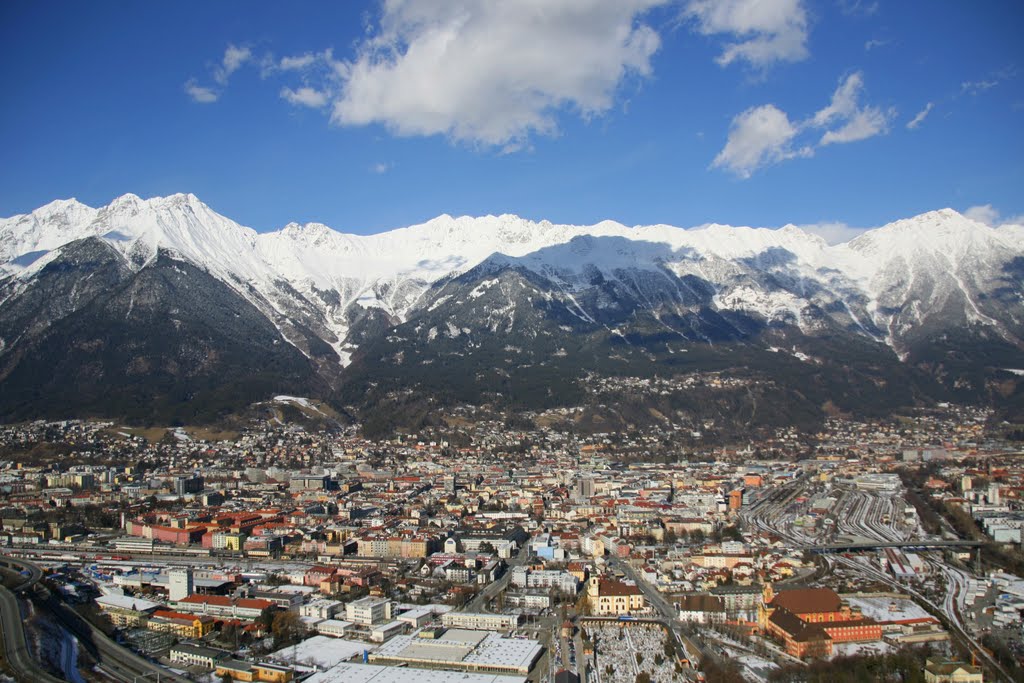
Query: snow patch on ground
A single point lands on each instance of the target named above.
(774, 305)
(887, 609)
(298, 401)
(481, 288)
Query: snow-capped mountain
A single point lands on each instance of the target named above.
(337, 298)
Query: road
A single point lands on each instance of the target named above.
(21, 661)
(478, 603)
(667, 611)
(582, 660)
(120, 663)
(656, 599)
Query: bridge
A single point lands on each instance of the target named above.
(29, 571)
(116, 662)
(15, 644)
(876, 545)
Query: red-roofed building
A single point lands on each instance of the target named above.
(318, 574)
(809, 620)
(223, 606)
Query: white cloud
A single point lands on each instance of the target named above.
(764, 31)
(863, 124)
(844, 100)
(833, 233)
(200, 93)
(992, 217)
(297, 62)
(305, 97)
(380, 167)
(984, 213)
(858, 122)
(994, 79)
(234, 58)
(976, 87)
(758, 137)
(858, 7)
(764, 135)
(921, 116)
(492, 73)
(874, 43)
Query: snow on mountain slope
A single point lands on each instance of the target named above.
(25, 238)
(137, 228)
(310, 278)
(933, 267)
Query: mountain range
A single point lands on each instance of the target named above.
(164, 310)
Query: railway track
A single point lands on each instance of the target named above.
(119, 663)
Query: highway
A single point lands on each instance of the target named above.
(31, 573)
(119, 663)
(21, 661)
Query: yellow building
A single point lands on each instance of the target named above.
(611, 597)
(234, 541)
(246, 672)
(180, 624)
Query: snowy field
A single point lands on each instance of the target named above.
(887, 609)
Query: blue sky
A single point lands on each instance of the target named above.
(369, 116)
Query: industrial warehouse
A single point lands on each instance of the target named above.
(461, 650)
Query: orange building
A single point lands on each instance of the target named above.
(809, 620)
(799, 638)
(812, 605)
(859, 630)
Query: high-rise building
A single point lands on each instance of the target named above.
(185, 485)
(180, 583)
(585, 487)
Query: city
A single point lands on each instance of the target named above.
(533, 555)
(512, 341)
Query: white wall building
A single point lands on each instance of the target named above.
(368, 611)
(180, 583)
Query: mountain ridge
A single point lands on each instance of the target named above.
(339, 298)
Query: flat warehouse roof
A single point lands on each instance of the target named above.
(323, 651)
(347, 672)
(462, 646)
